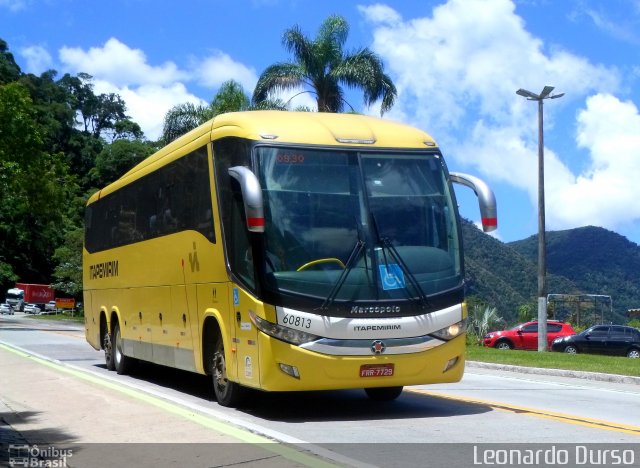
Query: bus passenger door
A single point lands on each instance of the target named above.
(245, 337)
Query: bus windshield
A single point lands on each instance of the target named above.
(357, 226)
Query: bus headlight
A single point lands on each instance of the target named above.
(450, 332)
(290, 335)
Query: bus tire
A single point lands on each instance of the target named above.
(108, 350)
(383, 393)
(227, 393)
(121, 363)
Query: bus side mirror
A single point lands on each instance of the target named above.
(251, 196)
(486, 198)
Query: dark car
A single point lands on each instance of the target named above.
(615, 340)
(525, 336)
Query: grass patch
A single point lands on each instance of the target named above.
(553, 360)
(61, 317)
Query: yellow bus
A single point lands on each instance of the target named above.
(284, 251)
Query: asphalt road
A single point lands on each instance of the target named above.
(54, 389)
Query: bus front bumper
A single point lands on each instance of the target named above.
(286, 367)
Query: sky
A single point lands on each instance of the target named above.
(456, 64)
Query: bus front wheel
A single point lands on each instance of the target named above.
(383, 393)
(227, 393)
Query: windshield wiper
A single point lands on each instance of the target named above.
(386, 243)
(355, 254)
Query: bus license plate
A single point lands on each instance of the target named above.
(376, 370)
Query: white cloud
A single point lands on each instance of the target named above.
(457, 72)
(147, 104)
(471, 56)
(38, 59)
(621, 27)
(300, 97)
(149, 90)
(607, 193)
(220, 67)
(379, 13)
(14, 5)
(119, 64)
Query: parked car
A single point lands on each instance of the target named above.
(50, 307)
(6, 309)
(31, 309)
(525, 336)
(615, 340)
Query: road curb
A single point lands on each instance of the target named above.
(614, 378)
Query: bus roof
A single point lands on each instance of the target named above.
(319, 128)
(312, 128)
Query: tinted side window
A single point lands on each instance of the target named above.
(618, 332)
(553, 327)
(176, 197)
(531, 328)
(599, 331)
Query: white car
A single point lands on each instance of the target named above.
(31, 309)
(50, 306)
(6, 309)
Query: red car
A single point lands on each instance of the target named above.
(525, 336)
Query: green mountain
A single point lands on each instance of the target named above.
(503, 277)
(596, 261)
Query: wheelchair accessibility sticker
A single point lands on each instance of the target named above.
(391, 276)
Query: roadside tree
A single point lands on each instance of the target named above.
(321, 66)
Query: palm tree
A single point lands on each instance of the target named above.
(482, 319)
(231, 97)
(322, 67)
(183, 117)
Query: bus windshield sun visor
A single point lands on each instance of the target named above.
(251, 196)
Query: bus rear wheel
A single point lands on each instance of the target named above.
(227, 393)
(383, 393)
(108, 351)
(121, 363)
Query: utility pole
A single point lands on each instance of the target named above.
(542, 249)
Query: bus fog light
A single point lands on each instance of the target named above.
(450, 363)
(289, 370)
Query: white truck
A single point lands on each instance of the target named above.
(15, 298)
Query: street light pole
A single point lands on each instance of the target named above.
(542, 249)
